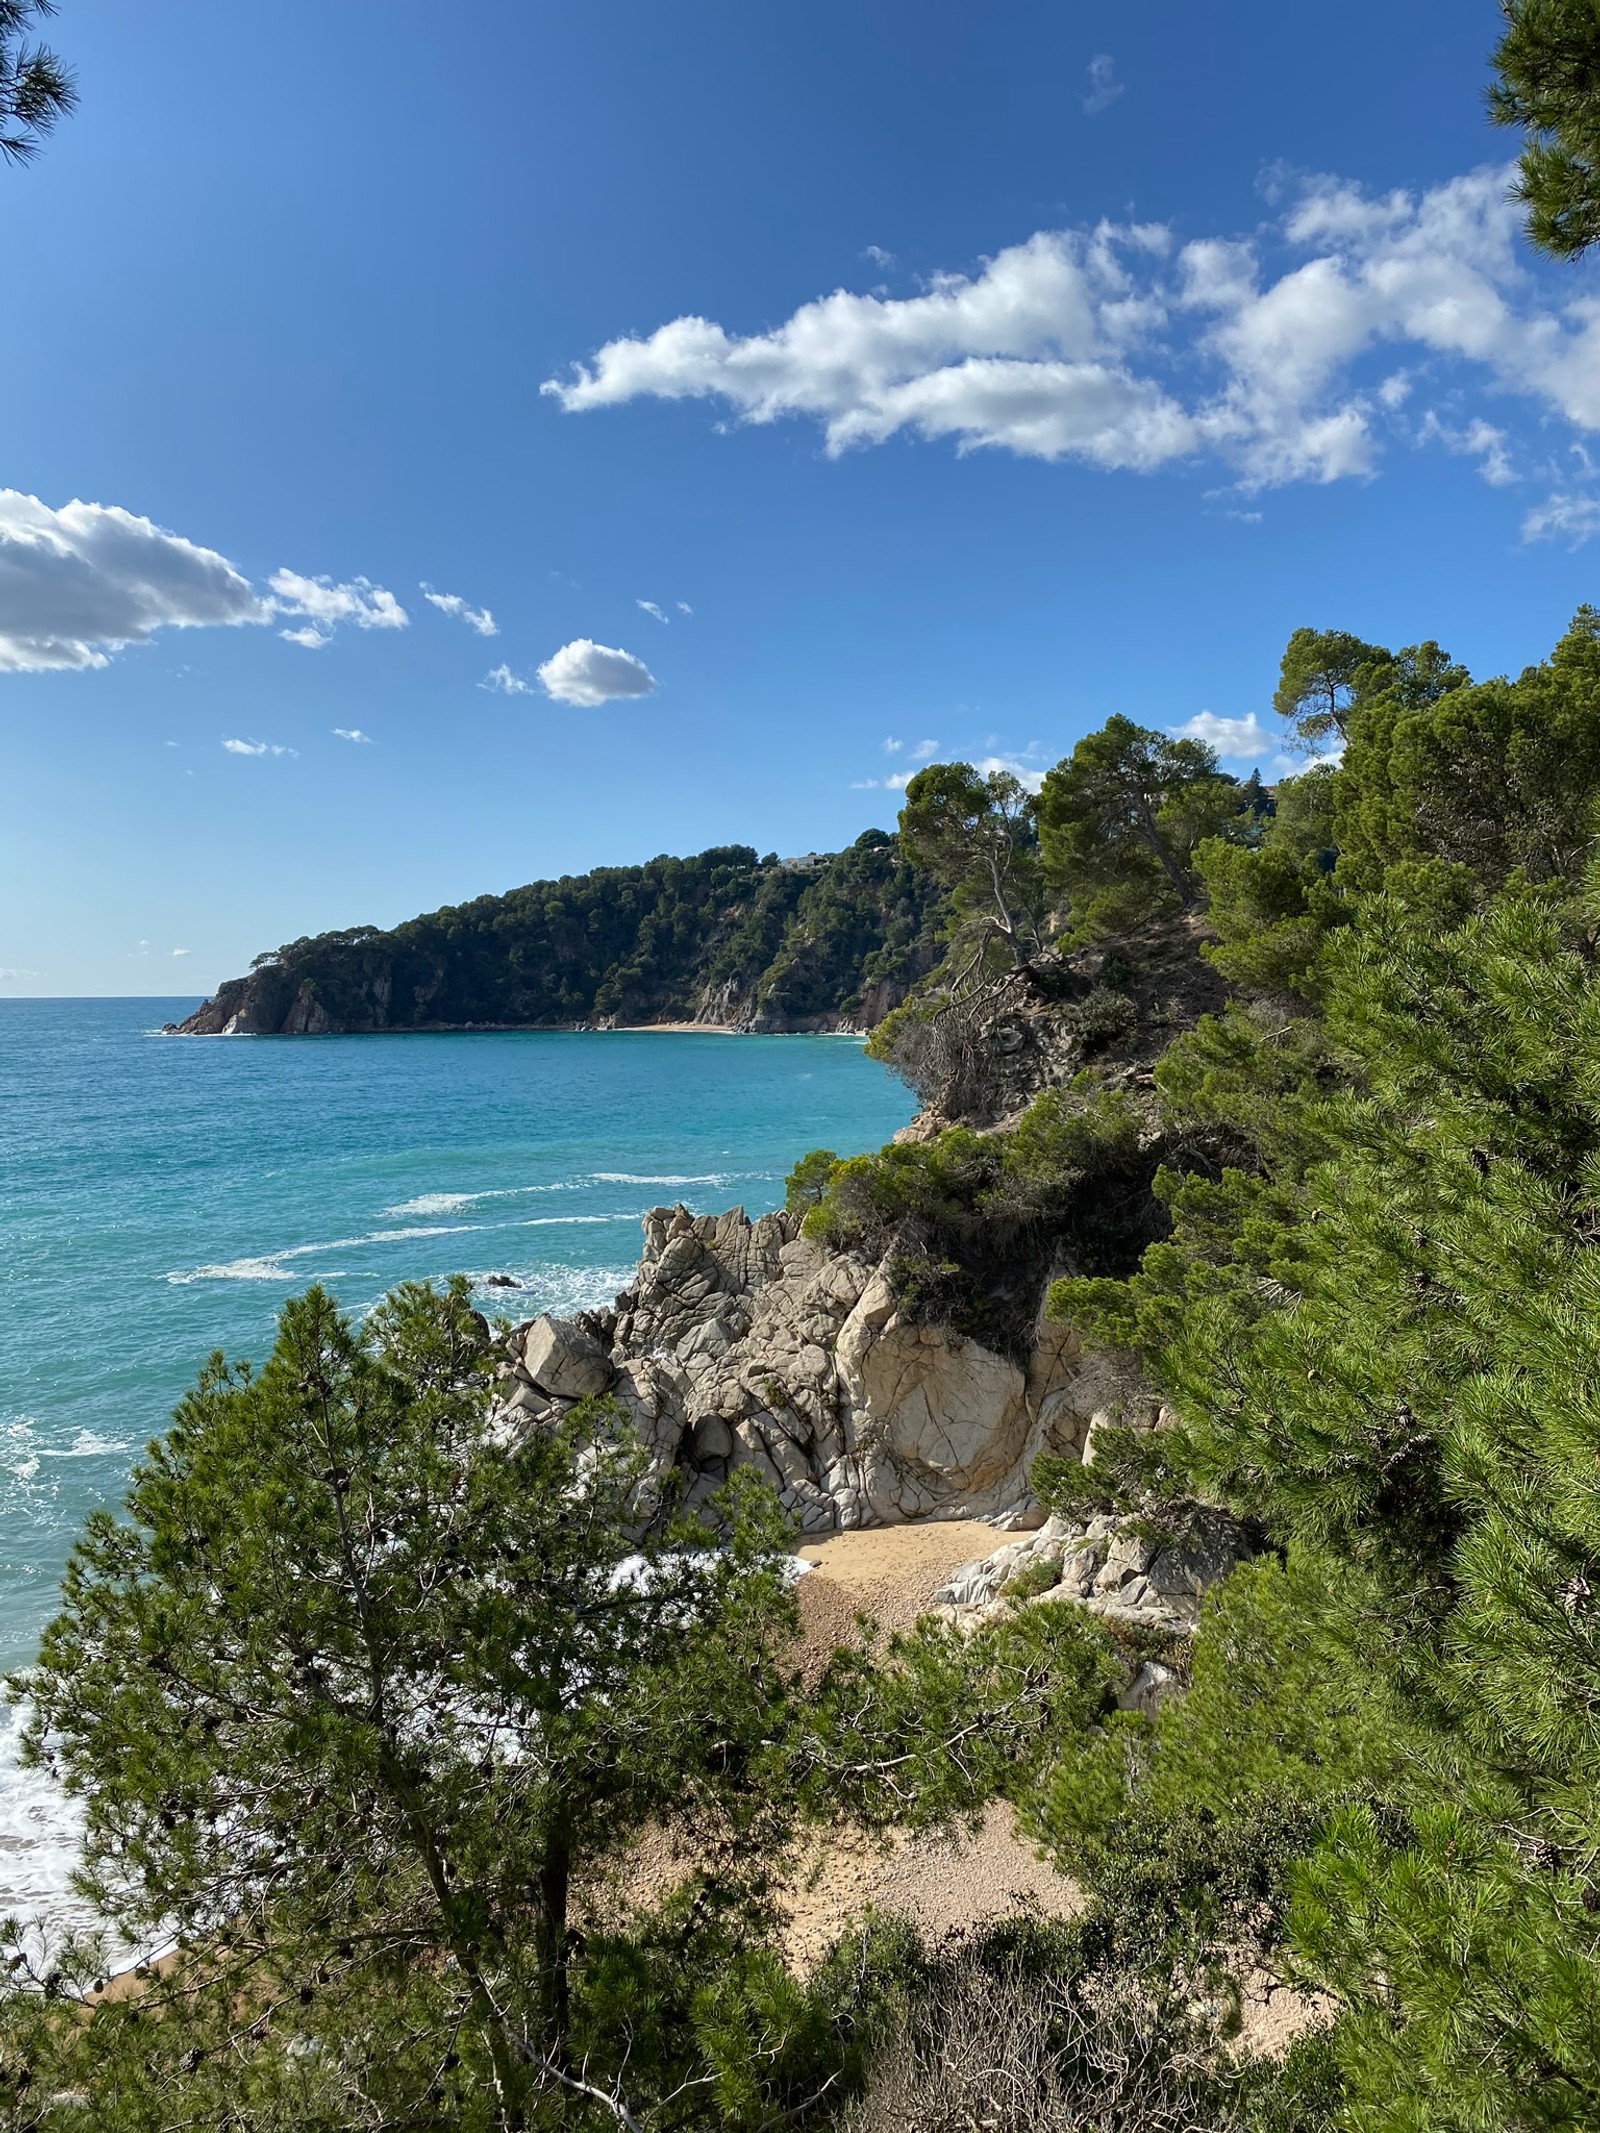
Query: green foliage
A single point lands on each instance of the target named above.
(1548, 62)
(1379, 1333)
(946, 1723)
(35, 87)
(1032, 1582)
(637, 944)
(1446, 792)
(1100, 1019)
(973, 1219)
(1119, 821)
(1323, 676)
(353, 1695)
(807, 1182)
(1468, 1966)
(868, 920)
(974, 834)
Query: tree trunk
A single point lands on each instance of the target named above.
(554, 1989)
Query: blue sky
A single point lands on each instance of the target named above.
(1162, 332)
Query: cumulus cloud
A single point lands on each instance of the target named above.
(81, 582)
(236, 747)
(897, 781)
(1104, 88)
(587, 674)
(1240, 740)
(476, 618)
(1568, 518)
(649, 607)
(353, 733)
(500, 681)
(323, 605)
(1119, 348)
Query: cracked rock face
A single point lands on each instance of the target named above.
(742, 1343)
(1113, 1571)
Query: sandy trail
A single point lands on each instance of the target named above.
(941, 1884)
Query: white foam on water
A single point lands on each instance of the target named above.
(40, 1830)
(87, 1444)
(434, 1203)
(557, 1290)
(234, 1270)
(272, 1266)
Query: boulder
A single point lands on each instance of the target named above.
(929, 1397)
(564, 1361)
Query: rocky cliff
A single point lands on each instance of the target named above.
(831, 942)
(746, 1343)
(742, 1343)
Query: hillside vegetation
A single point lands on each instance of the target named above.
(723, 937)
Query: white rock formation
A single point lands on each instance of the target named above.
(742, 1343)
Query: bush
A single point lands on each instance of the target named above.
(808, 1181)
(1001, 2036)
(1100, 1019)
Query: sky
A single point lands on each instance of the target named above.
(446, 448)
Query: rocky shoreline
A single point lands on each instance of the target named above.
(743, 1343)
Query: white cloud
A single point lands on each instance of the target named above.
(1028, 775)
(1118, 348)
(258, 748)
(9, 971)
(324, 605)
(182, 951)
(1573, 519)
(1240, 740)
(683, 607)
(353, 733)
(587, 674)
(476, 618)
(1479, 440)
(650, 608)
(500, 681)
(1104, 88)
(877, 254)
(80, 583)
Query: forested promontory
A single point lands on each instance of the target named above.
(824, 942)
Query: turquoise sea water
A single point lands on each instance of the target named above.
(161, 1197)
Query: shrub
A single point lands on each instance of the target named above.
(808, 1181)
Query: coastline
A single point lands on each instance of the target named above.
(530, 1029)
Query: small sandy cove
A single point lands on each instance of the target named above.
(940, 1883)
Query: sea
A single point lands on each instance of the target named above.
(161, 1197)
